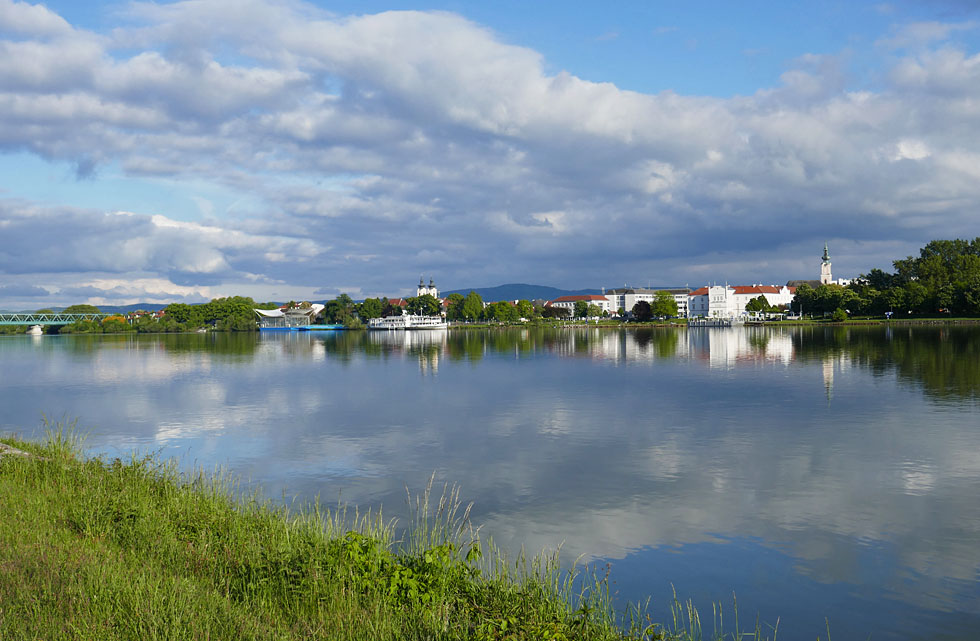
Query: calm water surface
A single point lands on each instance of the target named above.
(814, 472)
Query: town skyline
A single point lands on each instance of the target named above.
(154, 151)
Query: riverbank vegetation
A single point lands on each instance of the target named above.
(943, 280)
(132, 549)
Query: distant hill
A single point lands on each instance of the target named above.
(115, 309)
(125, 309)
(518, 291)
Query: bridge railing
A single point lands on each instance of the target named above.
(48, 319)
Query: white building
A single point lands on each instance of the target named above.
(825, 276)
(726, 301)
(626, 297)
(431, 289)
(568, 302)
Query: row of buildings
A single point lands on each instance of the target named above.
(711, 301)
(714, 301)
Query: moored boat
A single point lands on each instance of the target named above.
(407, 321)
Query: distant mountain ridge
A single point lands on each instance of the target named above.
(509, 291)
(519, 291)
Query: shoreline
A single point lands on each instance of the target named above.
(119, 549)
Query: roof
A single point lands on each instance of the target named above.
(578, 297)
(313, 310)
(746, 289)
(649, 290)
(756, 289)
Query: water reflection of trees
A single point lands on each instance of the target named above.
(944, 361)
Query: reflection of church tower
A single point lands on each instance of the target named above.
(828, 377)
(825, 277)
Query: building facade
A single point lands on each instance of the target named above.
(728, 301)
(626, 297)
(568, 302)
(430, 289)
(826, 277)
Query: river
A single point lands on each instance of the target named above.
(817, 473)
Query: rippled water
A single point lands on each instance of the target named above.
(815, 472)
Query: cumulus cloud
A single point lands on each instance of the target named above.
(379, 146)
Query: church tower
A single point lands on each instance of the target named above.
(825, 276)
(431, 289)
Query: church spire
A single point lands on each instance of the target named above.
(825, 276)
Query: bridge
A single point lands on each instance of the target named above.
(48, 319)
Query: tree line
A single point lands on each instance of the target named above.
(943, 279)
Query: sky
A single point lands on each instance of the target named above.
(290, 150)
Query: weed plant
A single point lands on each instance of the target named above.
(134, 549)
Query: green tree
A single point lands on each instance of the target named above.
(472, 306)
(642, 311)
(803, 300)
(370, 308)
(424, 305)
(182, 313)
(81, 309)
(454, 307)
(593, 311)
(664, 305)
(502, 311)
(581, 309)
(525, 309)
(757, 304)
(553, 311)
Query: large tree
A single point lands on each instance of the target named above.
(501, 311)
(472, 307)
(525, 309)
(424, 305)
(370, 308)
(664, 305)
(642, 311)
(553, 311)
(81, 309)
(454, 307)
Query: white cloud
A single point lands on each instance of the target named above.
(23, 18)
(921, 34)
(405, 141)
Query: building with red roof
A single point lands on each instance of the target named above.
(725, 301)
(568, 302)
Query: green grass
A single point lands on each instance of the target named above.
(133, 549)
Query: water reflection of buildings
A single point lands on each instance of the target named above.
(427, 345)
(718, 347)
(839, 361)
(728, 347)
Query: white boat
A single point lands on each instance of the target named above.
(36, 330)
(407, 321)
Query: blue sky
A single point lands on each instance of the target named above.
(286, 149)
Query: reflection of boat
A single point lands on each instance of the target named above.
(36, 330)
(407, 321)
(302, 328)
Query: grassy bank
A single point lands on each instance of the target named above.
(113, 549)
